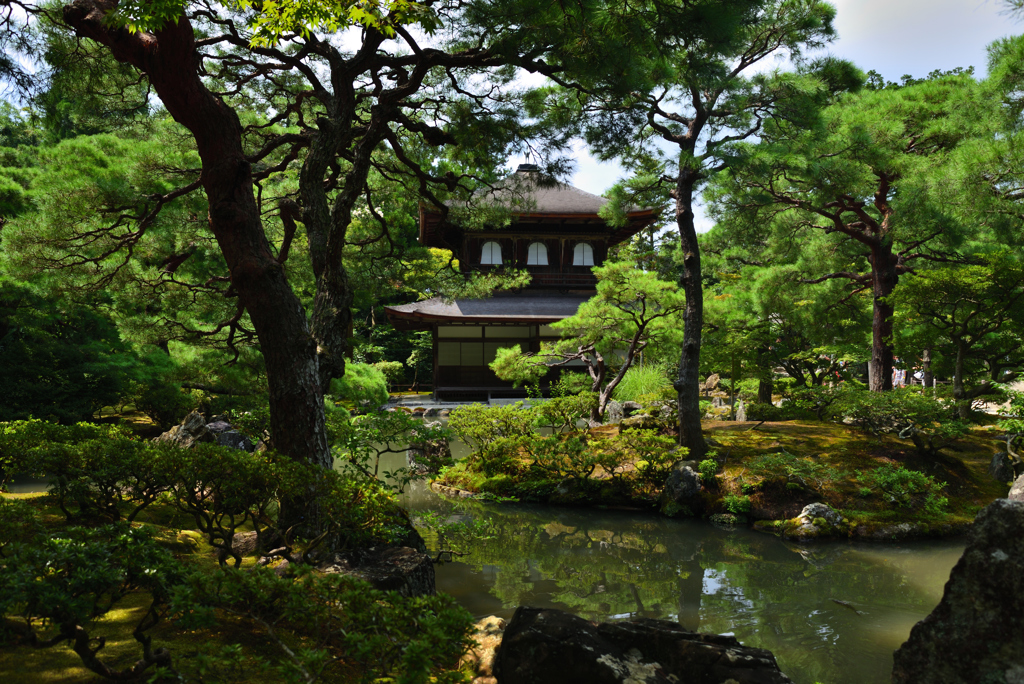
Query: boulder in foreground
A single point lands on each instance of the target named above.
(976, 634)
(554, 647)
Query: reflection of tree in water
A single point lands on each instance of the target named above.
(769, 594)
(598, 565)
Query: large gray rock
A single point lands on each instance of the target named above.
(1001, 467)
(228, 436)
(641, 420)
(543, 646)
(613, 413)
(976, 634)
(192, 431)
(630, 408)
(1017, 490)
(710, 384)
(681, 494)
(396, 568)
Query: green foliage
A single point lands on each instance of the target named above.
(73, 577)
(453, 535)
(101, 473)
(653, 456)
(505, 444)
(737, 505)
(512, 365)
(384, 635)
(907, 488)
(608, 333)
(643, 380)
(929, 422)
(768, 412)
(35, 447)
(708, 469)
(968, 315)
(563, 413)
(393, 371)
(813, 402)
(477, 424)
(361, 442)
(61, 361)
(1012, 414)
(363, 385)
(570, 383)
(805, 471)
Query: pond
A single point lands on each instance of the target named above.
(830, 613)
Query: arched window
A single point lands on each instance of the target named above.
(583, 255)
(491, 253)
(537, 254)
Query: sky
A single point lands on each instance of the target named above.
(892, 37)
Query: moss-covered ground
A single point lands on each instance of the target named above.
(26, 665)
(833, 463)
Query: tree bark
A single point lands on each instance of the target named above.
(963, 403)
(883, 277)
(765, 386)
(687, 384)
(169, 59)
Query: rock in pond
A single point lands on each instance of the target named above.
(543, 646)
(975, 633)
(396, 568)
(681, 494)
(816, 521)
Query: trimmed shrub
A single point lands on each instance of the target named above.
(363, 385)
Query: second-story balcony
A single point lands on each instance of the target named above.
(551, 277)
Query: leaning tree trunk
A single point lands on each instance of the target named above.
(169, 59)
(883, 276)
(687, 384)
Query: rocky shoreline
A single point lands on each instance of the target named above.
(811, 525)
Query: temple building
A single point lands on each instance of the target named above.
(557, 236)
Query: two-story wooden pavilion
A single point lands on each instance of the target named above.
(558, 237)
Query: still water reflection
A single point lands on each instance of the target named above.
(831, 613)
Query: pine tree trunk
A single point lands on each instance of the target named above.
(687, 384)
(883, 273)
(963, 404)
(168, 58)
(926, 367)
(765, 387)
